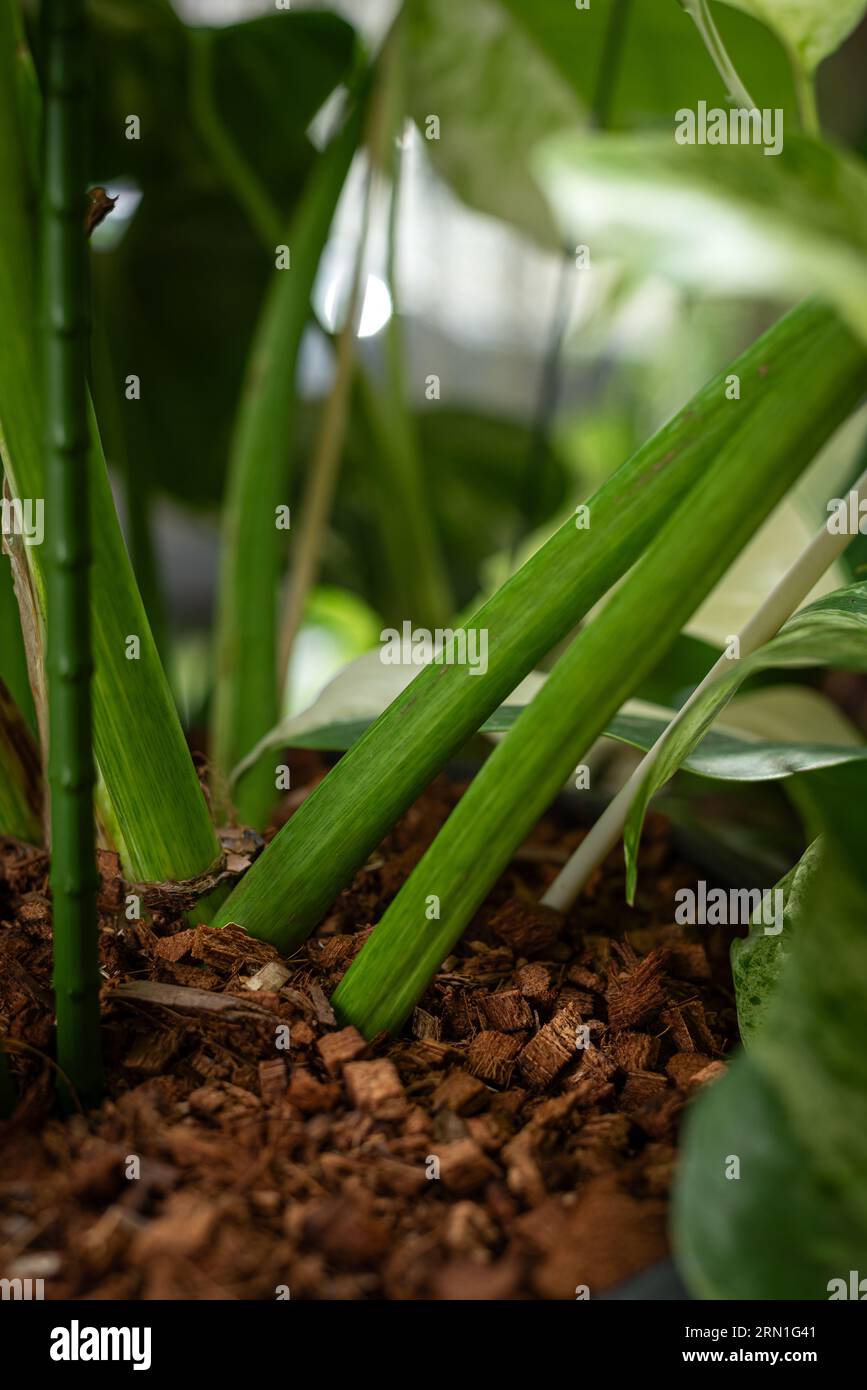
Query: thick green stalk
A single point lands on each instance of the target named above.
(246, 704)
(760, 458)
(65, 339)
(155, 805)
(291, 885)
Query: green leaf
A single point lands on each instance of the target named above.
(758, 958)
(20, 775)
(809, 28)
(830, 632)
(181, 292)
(13, 660)
(157, 813)
(793, 1111)
(289, 887)
(247, 692)
(359, 693)
(725, 218)
(501, 103)
(541, 66)
(748, 475)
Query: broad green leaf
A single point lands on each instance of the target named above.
(830, 632)
(359, 693)
(812, 29)
(490, 112)
(758, 958)
(719, 218)
(538, 67)
(793, 1111)
(180, 294)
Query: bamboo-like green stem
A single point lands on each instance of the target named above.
(763, 454)
(291, 885)
(65, 328)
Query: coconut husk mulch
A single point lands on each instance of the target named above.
(252, 1148)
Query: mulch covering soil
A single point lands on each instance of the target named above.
(481, 1154)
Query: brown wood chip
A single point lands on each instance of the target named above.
(336, 1049)
(464, 1167)
(272, 1080)
(637, 993)
(507, 1011)
(492, 1056)
(529, 928)
(460, 1092)
(372, 1085)
(553, 1046)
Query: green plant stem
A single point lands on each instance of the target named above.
(154, 804)
(609, 63)
(418, 582)
(328, 450)
(246, 703)
(805, 95)
(321, 477)
(291, 885)
(761, 457)
(791, 591)
(736, 92)
(70, 769)
(240, 176)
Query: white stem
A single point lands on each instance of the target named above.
(735, 89)
(780, 604)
